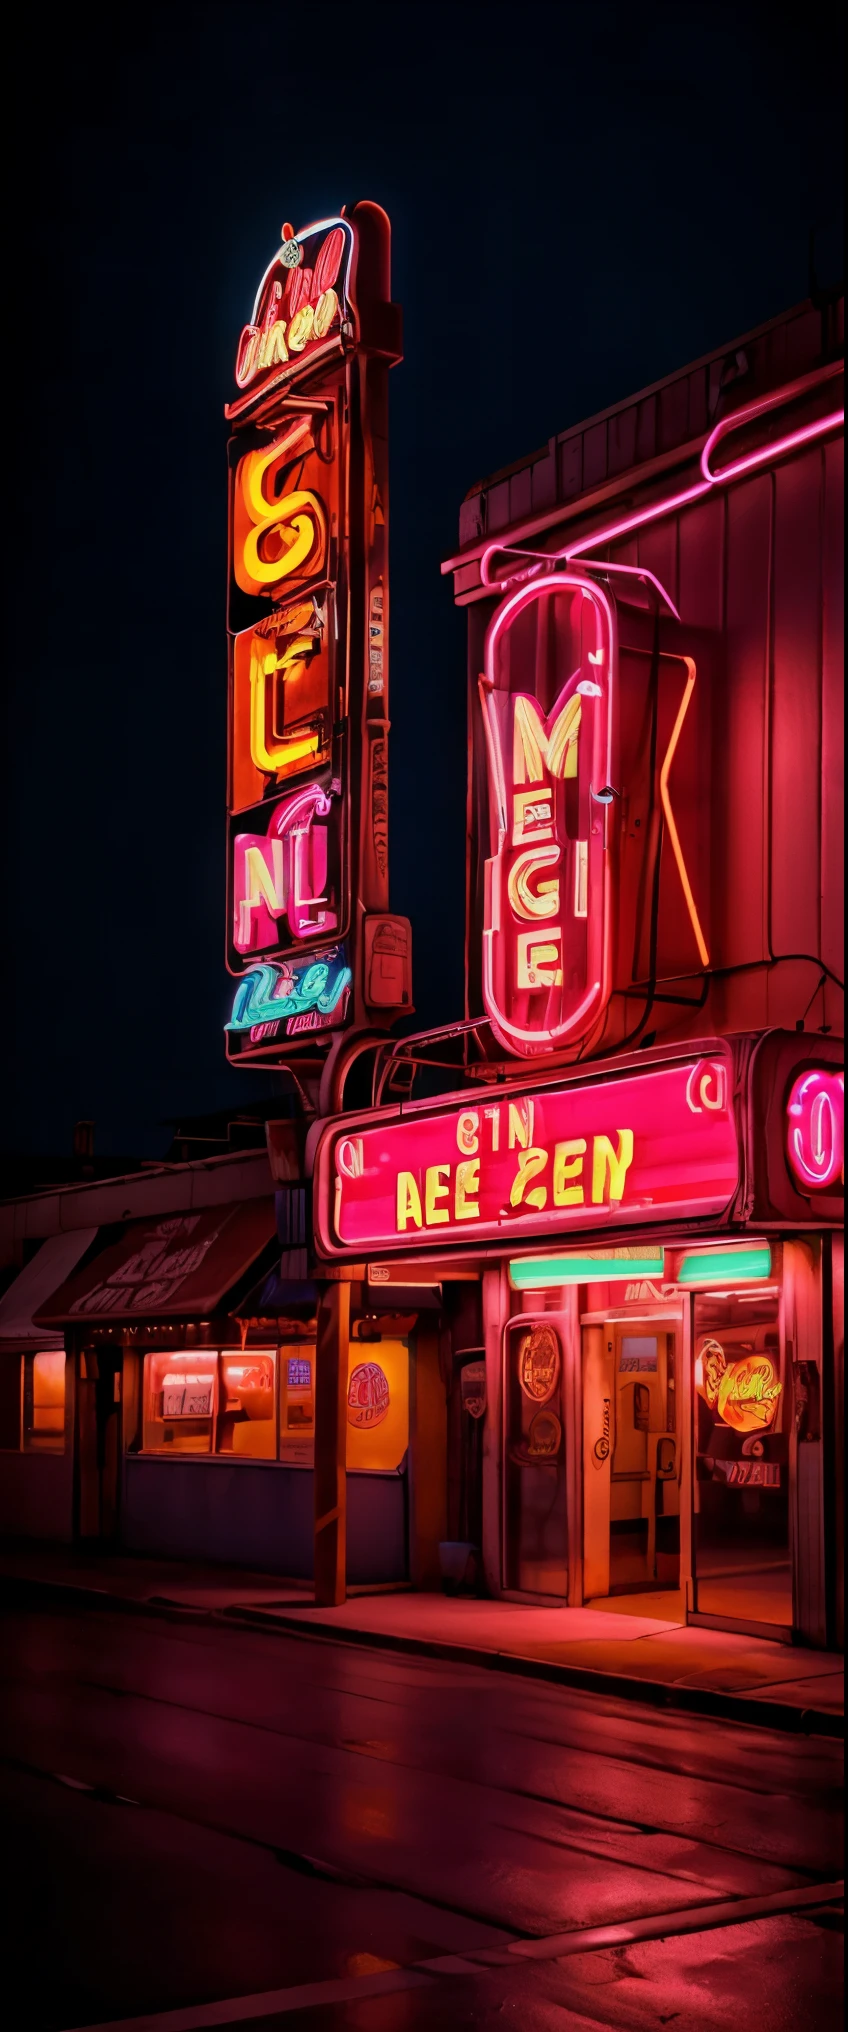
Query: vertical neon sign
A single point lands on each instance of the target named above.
(307, 849)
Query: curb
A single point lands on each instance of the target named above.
(748, 1712)
(768, 1714)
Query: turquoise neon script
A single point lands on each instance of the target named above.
(267, 992)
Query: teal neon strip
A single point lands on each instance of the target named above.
(725, 1266)
(536, 1274)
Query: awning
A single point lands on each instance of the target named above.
(53, 1263)
(177, 1267)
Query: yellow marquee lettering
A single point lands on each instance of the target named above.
(435, 1189)
(466, 1207)
(530, 1163)
(408, 1202)
(606, 1162)
(568, 1163)
(467, 1132)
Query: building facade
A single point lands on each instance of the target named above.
(629, 1199)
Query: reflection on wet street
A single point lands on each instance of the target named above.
(195, 1814)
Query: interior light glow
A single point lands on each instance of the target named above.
(588, 688)
(540, 1273)
(725, 1265)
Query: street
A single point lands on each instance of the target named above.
(196, 1814)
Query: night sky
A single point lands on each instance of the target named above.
(582, 199)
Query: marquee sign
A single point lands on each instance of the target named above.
(647, 1146)
(307, 839)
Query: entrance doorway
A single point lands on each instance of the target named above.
(741, 1541)
(632, 1464)
(98, 1412)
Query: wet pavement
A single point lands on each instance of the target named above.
(197, 1817)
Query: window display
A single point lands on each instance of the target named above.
(246, 1420)
(179, 1401)
(44, 1402)
(297, 1403)
(259, 1404)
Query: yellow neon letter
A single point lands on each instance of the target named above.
(467, 1183)
(275, 538)
(467, 1138)
(433, 1190)
(535, 750)
(542, 901)
(568, 1163)
(530, 1163)
(408, 1201)
(606, 1160)
(268, 753)
(537, 958)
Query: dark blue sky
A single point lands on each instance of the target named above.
(582, 199)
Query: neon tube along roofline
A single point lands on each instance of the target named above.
(657, 509)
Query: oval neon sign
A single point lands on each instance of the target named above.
(815, 1141)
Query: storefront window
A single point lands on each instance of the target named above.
(377, 1406)
(297, 1403)
(44, 1402)
(179, 1402)
(742, 1555)
(259, 1404)
(246, 1410)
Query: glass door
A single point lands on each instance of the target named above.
(535, 1525)
(741, 1547)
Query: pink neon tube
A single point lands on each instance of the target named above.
(657, 509)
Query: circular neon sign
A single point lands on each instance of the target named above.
(815, 1142)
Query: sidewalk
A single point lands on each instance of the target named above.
(633, 1657)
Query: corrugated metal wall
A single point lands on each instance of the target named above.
(756, 572)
